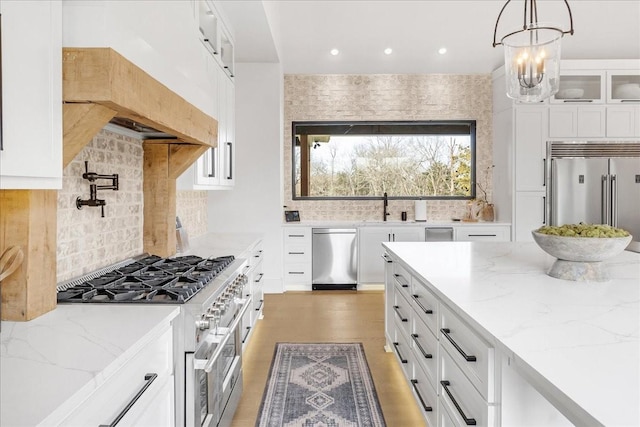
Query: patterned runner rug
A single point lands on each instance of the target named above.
(320, 385)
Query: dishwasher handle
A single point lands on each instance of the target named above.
(334, 231)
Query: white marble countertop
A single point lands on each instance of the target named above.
(378, 223)
(49, 365)
(577, 341)
(222, 244)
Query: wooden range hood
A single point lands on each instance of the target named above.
(98, 85)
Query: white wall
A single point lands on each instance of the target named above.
(255, 203)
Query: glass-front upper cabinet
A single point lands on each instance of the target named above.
(624, 86)
(580, 86)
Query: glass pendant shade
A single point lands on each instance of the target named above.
(532, 63)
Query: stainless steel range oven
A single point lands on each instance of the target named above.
(208, 347)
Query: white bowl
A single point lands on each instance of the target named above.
(572, 93)
(627, 91)
(580, 258)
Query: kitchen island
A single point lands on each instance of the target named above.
(570, 347)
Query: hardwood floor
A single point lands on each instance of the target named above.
(326, 316)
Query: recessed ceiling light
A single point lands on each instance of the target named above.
(388, 51)
(442, 50)
(334, 52)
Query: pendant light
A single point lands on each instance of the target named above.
(532, 55)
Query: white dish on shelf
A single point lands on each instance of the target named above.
(572, 93)
(627, 91)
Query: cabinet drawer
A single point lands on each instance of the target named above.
(425, 394)
(425, 305)
(402, 313)
(105, 403)
(256, 256)
(401, 349)
(297, 236)
(425, 349)
(297, 273)
(460, 398)
(402, 280)
(472, 353)
(483, 234)
(297, 253)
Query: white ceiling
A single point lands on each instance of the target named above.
(300, 33)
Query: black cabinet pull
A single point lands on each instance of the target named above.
(260, 306)
(244, 339)
(402, 359)
(544, 209)
(296, 272)
(230, 145)
(424, 353)
(296, 235)
(259, 278)
(424, 405)
(425, 309)
(446, 332)
(396, 308)
(467, 421)
(294, 253)
(387, 259)
(544, 172)
(149, 378)
(403, 282)
(482, 235)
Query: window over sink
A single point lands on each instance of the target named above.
(364, 160)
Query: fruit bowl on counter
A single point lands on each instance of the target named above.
(580, 249)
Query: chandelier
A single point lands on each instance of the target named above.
(532, 55)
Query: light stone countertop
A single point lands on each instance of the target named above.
(49, 365)
(577, 341)
(222, 244)
(377, 223)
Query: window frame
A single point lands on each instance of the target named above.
(472, 146)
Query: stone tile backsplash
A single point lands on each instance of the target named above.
(86, 241)
(386, 97)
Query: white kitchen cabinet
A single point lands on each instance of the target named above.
(145, 382)
(582, 86)
(530, 132)
(623, 85)
(370, 250)
(623, 121)
(531, 209)
(577, 121)
(489, 233)
(297, 258)
(226, 130)
(31, 156)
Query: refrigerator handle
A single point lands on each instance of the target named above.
(604, 198)
(614, 201)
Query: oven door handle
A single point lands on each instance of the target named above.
(207, 366)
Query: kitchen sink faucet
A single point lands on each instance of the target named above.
(385, 203)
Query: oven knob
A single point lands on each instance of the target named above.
(202, 324)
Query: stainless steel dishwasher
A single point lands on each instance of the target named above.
(438, 234)
(334, 258)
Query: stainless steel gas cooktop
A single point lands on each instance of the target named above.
(147, 279)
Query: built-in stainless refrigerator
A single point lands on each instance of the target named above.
(596, 183)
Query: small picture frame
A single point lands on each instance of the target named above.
(292, 216)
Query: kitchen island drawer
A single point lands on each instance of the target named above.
(460, 398)
(424, 304)
(402, 313)
(471, 353)
(425, 349)
(425, 393)
(402, 350)
(402, 279)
